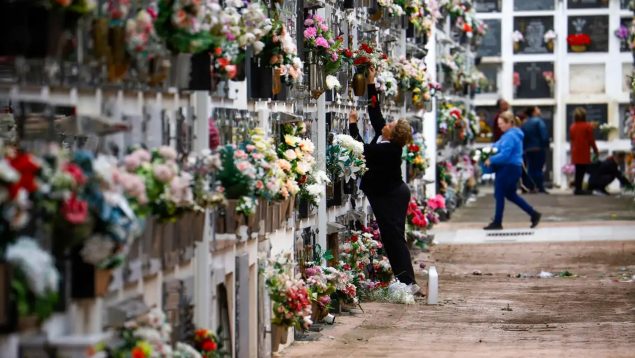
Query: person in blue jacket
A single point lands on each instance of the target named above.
(507, 164)
(536, 143)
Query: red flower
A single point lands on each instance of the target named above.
(137, 352)
(354, 238)
(302, 180)
(361, 61)
(209, 345)
(24, 164)
(200, 333)
(579, 40)
(413, 148)
(218, 51)
(346, 267)
(366, 48)
(76, 172)
(467, 27)
(384, 56)
(222, 62)
(74, 210)
(348, 53)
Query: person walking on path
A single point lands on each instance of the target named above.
(503, 106)
(582, 141)
(507, 164)
(535, 144)
(383, 185)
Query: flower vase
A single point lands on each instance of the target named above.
(375, 12)
(100, 38)
(291, 206)
(550, 45)
(118, 60)
(284, 209)
(277, 220)
(359, 84)
(180, 70)
(578, 48)
(516, 46)
(279, 336)
(349, 186)
(315, 312)
(226, 221)
(316, 75)
(276, 81)
(158, 71)
(87, 280)
(303, 208)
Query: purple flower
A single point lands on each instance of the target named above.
(321, 42)
(310, 33)
(622, 32)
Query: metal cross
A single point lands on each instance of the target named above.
(534, 71)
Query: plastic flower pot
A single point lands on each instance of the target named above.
(516, 46)
(578, 48)
(276, 82)
(550, 45)
(278, 336)
(334, 193)
(226, 220)
(87, 280)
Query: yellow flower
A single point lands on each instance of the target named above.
(291, 140)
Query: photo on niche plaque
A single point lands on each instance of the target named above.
(596, 113)
(533, 5)
(534, 29)
(588, 33)
(532, 80)
(587, 4)
(491, 43)
(488, 5)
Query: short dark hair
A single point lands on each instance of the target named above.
(529, 111)
(499, 101)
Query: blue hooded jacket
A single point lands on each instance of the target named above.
(536, 135)
(510, 148)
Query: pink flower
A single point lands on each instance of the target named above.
(131, 162)
(318, 18)
(167, 153)
(284, 165)
(436, 202)
(74, 210)
(180, 191)
(133, 186)
(143, 155)
(324, 27)
(321, 42)
(310, 33)
(250, 147)
(334, 56)
(259, 185)
(243, 166)
(76, 172)
(308, 22)
(163, 173)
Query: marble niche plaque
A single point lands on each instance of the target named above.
(491, 43)
(627, 70)
(534, 29)
(596, 27)
(532, 79)
(587, 79)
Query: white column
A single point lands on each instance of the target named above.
(322, 216)
(430, 121)
(202, 257)
(559, 114)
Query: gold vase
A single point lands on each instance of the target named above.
(118, 60)
(276, 82)
(578, 48)
(100, 38)
(359, 84)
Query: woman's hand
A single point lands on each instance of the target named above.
(352, 117)
(370, 78)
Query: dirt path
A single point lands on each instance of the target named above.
(496, 314)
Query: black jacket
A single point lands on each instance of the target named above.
(605, 170)
(383, 160)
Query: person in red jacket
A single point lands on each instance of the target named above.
(582, 141)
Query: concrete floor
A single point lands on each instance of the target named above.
(493, 304)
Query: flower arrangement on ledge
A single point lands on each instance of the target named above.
(35, 279)
(414, 154)
(421, 15)
(412, 76)
(578, 42)
(321, 41)
(392, 7)
(517, 38)
(280, 52)
(289, 294)
(345, 158)
(550, 37)
(182, 24)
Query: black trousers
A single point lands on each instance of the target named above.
(600, 182)
(390, 211)
(580, 170)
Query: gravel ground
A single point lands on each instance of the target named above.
(487, 311)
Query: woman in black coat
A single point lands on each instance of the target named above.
(383, 184)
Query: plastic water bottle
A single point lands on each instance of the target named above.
(433, 286)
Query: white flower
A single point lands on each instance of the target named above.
(36, 264)
(517, 36)
(550, 35)
(297, 63)
(306, 145)
(332, 82)
(258, 46)
(7, 173)
(315, 190)
(321, 177)
(96, 249)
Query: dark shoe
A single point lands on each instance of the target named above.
(544, 192)
(581, 192)
(493, 226)
(535, 219)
